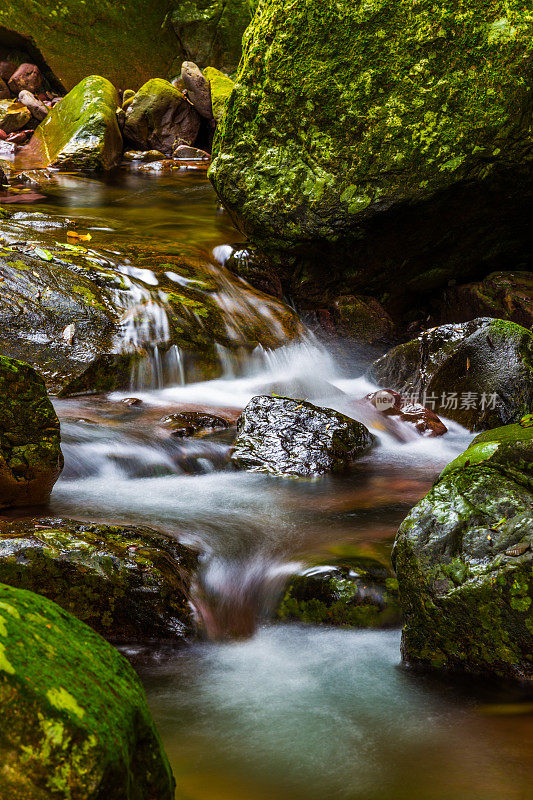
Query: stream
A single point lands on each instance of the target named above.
(255, 709)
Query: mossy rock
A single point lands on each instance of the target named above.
(30, 452)
(50, 284)
(158, 115)
(75, 720)
(360, 593)
(503, 295)
(221, 87)
(463, 558)
(354, 127)
(128, 584)
(479, 373)
(210, 31)
(13, 116)
(80, 133)
(127, 42)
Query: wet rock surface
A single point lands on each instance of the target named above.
(159, 115)
(502, 295)
(75, 718)
(359, 593)
(294, 438)
(188, 423)
(392, 404)
(30, 453)
(127, 583)
(479, 373)
(463, 558)
(81, 132)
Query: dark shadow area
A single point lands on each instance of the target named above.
(18, 48)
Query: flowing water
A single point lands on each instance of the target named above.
(269, 710)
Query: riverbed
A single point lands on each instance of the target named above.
(283, 711)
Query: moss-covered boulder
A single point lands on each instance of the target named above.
(221, 87)
(502, 295)
(30, 452)
(464, 559)
(81, 132)
(210, 31)
(129, 584)
(294, 438)
(13, 116)
(380, 147)
(127, 42)
(75, 720)
(358, 593)
(479, 373)
(158, 116)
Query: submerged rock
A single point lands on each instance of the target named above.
(158, 115)
(479, 373)
(81, 132)
(464, 559)
(294, 438)
(359, 593)
(368, 149)
(30, 453)
(502, 295)
(128, 583)
(188, 423)
(75, 723)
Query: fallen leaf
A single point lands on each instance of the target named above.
(83, 237)
(46, 255)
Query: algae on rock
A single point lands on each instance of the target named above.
(388, 140)
(75, 723)
(81, 132)
(463, 558)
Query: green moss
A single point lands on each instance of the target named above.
(75, 719)
(81, 132)
(221, 88)
(77, 37)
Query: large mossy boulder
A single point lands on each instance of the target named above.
(129, 584)
(210, 31)
(479, 373)
(81, 132)
(75, 723)
(221, 87)
(464, 560)
(127, 42)
(294, 438)
(30, 452)
(159, 117)
(381, 148)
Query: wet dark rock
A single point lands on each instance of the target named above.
(158, 116)
(127, 583)
(502, 295)
(7, 68)
(294, 438)
(5, 94)
(197, 87)
(252, 266)
(363, 318)
(30, 453)
(75, 722)
(27, 76)
(464, 558)
(358, 593)
(187, 423)
(143, 156)
(36, 107)
(479, 373)
(392, 404)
